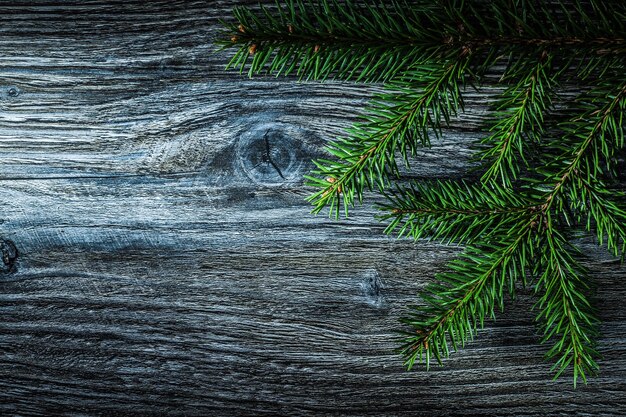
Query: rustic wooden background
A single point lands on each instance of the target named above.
(156, 264)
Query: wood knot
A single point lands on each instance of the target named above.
(372, 286)
(13, 92)
(271, 155)
(9, 256)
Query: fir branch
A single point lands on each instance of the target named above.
(593, 137)
(453, 212)
(542, 178)
(591, 141)
(518, 123)
(609, 218)
(374, 41)
(566, 314)
(600, 209)
(399, 122)
(347, 40)
(458, 304)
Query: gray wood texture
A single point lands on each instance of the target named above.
(156, 263)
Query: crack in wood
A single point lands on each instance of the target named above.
(269, 155)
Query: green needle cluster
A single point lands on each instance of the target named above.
(549, 161)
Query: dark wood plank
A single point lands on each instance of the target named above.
(163, 268)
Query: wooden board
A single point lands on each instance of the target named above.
(156, 264)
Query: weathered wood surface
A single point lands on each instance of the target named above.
(164, 268)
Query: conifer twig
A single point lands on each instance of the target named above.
(548, 168)
(565, 312)
(463, 297)
(399, 123)
(519, 123)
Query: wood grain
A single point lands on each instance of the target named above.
(155, 262)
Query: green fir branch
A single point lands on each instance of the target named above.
(589, 145)
(453, 212)
(518, 122)
(590, 140)
(452, 300)
(465, 295)
(566, 314)
(398, 123)
(374, 41)
(549, 165)
(346, 40)
(601, 210)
